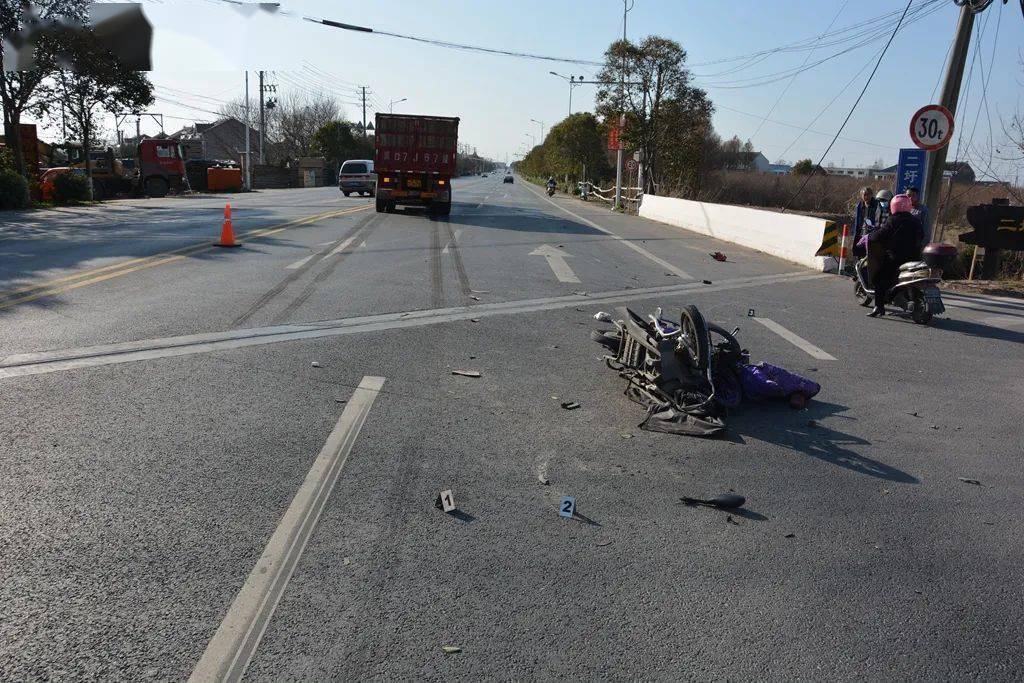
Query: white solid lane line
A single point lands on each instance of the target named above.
(622, 240)
(301, 262)
(795, 339)
(36, 363)
(234, 643)
(556, 260)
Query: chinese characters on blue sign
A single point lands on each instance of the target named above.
(910, 172)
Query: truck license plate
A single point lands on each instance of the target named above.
(414, 182)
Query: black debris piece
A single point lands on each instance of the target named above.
(570, 405)
(724, 501)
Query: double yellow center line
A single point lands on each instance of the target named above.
(95, 275)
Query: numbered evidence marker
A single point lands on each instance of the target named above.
(750, 312)
(567, 508)
(446, 500)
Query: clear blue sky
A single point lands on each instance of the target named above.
(497, 96)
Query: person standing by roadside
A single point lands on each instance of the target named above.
(920, 210)
(866, 207)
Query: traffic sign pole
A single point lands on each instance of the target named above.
(950, 95)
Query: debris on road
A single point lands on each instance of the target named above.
(474, 320)
(450, 649)
(316, 364)
(718, 256)
(475, 298)
(570, 405)
(790, 535)
(626, 435)
(707, 282)
(580, 293)
(969, 481)
(467, 373)
(732, 521)
(601, 544)
(347, 561)
(723, 501)
(341, 400)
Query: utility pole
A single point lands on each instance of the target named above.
(263, 121)
(950, 95)
(622, 116)
(248, 158)
(364, 112)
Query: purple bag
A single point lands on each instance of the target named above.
(764, 381)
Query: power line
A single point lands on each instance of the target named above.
(853, 108)
(792, 80)
(803, 129)
(766, 79)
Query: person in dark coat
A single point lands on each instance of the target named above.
(892, 245)
(866, 208)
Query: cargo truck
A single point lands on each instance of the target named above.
(414, 160)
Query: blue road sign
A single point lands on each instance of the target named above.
(911, 170)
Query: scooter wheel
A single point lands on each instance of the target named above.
(920, 314)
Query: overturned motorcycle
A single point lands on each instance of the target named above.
(684, 376)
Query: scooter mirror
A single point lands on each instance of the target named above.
(603, 317)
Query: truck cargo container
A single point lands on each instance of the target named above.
(414, 161)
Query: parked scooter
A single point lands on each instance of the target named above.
(916, 291)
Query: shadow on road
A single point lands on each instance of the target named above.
(801, 431)
(527, 220)
(982, 330)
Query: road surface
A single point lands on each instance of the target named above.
(227, 460)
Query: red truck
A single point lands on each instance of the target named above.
(414, 161)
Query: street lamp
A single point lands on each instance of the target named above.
(533, 139)
(541, 123)
(572, 84)
(392, 103)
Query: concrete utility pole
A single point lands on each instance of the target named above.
(248, 157)
(263, 121)
(622, 117)
(364, 111)
(950, 95)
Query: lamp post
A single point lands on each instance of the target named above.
(573, 82)
(541, 124)
(392, 103)
(533, 139)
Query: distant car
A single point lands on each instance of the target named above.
(356, 175)
(508, 179)
(483, 175)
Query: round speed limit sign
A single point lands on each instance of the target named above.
(932, 127)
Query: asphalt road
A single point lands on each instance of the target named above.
(200, 470)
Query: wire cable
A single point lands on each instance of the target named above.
(853, 108)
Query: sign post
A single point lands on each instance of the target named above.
(912, 169)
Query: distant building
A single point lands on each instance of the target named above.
(746, 161)
(224, 139)
(859, 172)
(780, 169)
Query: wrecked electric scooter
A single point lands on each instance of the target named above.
(686, 374)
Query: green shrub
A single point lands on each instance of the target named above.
(6, 160)
(13, 190)
(69, 188)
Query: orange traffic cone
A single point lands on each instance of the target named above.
(227, 233)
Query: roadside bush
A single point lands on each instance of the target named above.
(13, 190)
(69, 188)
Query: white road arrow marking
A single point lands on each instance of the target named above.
(556, 259)
(301, 262)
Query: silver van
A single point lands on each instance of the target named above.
(356, 175)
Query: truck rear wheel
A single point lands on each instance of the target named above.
(381, 205)
(157, 187)
(441, 209)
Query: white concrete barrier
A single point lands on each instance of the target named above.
(789, 236)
